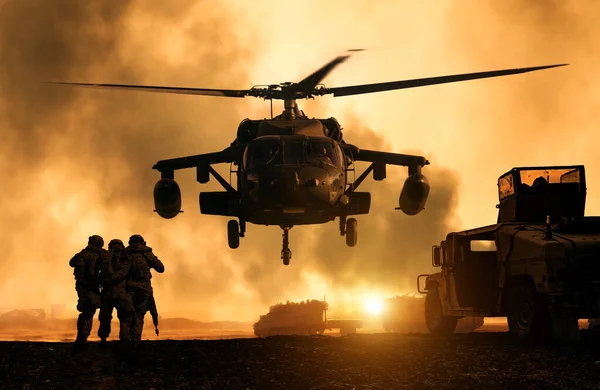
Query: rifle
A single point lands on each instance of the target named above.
(154, 313)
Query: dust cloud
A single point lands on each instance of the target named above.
(480, 128)
(78, 160)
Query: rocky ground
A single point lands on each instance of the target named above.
(362, 361)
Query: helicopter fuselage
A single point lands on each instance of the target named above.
(292, 172)
(292, 180)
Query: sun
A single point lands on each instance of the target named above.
(373, 306)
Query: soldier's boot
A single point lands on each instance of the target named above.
(84, 326)
(134, 348)
(80, 345)
(123, 348)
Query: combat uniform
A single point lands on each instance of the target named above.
(142, 260)
(86, 266)
(114, 272)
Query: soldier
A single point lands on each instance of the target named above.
(86, 266)
(139, 286)
(114, 271)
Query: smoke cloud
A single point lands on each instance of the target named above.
(77, 161)
(80, 159)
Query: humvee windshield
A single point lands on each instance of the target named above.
(506, 186)
(532, 177)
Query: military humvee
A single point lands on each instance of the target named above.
(539, 265)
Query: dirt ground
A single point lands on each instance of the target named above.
(362, 361)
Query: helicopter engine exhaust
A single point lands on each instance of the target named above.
(167, 198)
(414, 194)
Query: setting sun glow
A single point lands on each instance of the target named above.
(373, 306)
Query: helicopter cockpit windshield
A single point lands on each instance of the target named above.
(320, 152)
(291, 151)
(263, 152)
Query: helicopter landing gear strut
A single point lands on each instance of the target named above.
(342, 225)
(286, 252)
(348, 229)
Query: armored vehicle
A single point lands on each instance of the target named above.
(301, 318)
(406, 314)
(539, 265)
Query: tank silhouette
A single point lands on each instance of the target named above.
(406, 314)
(301, 318)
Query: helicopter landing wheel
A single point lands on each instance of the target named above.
(351, 232)
(233, 234)
(286, 253)
(286, 256)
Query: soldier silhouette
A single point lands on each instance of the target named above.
(139, 286)
(86, 266)
(114, 271)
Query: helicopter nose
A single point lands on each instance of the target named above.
(299, 187)
(283, 188)
(321, 187)
(285, 182)
(312, 183)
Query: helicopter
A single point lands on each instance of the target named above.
(291, 169)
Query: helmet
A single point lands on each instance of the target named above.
(539, 182)
(115, 243)
(136, 239)
(96, 241)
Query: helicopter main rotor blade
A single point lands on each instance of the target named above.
(310, 82)
(238, 93)
(392, 85)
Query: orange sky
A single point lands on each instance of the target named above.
(78, 161)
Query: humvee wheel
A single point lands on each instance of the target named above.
(528, 315)
(351, 232)
(437, 323)
(565, 327)
(233, 233)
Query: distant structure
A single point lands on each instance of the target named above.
(301, 318)
(58, 311)
(23, 318)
